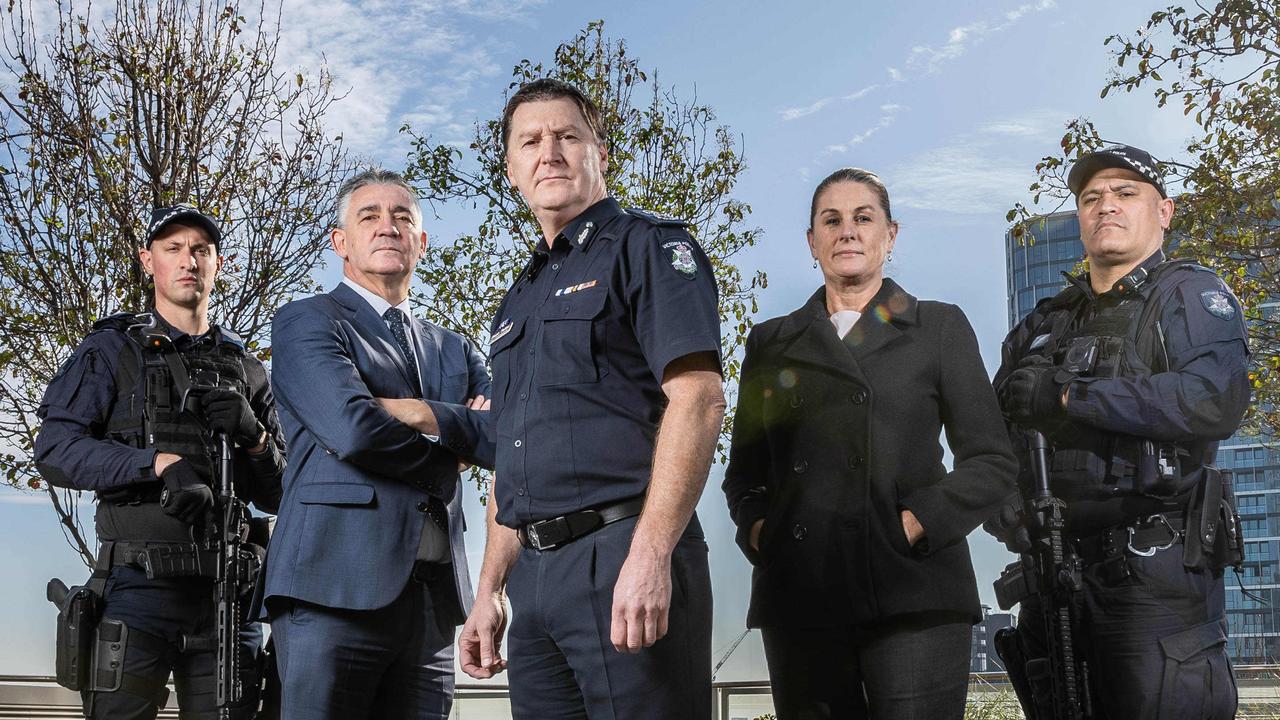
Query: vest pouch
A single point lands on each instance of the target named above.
(1081, 356)
(79, 610)
(1159, 470)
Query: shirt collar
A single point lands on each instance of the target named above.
(182, 339)
(376, 301)
(1135, 279)
(582, 230)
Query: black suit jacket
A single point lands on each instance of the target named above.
(833, 439)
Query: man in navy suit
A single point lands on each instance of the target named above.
(367, 575)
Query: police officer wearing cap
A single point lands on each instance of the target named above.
(121, 422)
(607, 404)
(1134, 372)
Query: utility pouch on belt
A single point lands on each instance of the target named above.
(79, 610)
(1213, 527)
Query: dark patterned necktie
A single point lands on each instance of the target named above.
(395, 322)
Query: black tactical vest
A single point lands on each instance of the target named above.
(1122, 339)
(156, 406)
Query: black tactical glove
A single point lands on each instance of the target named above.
(228, 411)
(186, 495)
(1032, 395)
(1009, 526)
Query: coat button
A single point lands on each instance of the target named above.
(800, 466)
(422, 506)
(859, 397)
(855, 461)
(796, 401)
(799, 532)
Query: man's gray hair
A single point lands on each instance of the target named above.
(372, 176)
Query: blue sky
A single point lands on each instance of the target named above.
(951, 103)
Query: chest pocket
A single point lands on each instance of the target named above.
(501, 361)
(572, 344)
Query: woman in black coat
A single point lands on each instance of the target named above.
(863, 587)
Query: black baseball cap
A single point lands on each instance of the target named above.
(184, 214)
(1116, 156)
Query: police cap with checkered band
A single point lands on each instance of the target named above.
(1116, 156)
(183, 215)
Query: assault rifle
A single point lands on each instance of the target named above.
(1054, 687)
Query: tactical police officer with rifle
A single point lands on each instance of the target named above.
(1119, 388)
(171, 423)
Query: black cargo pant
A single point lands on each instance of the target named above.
(157, 613)
(1155, 639)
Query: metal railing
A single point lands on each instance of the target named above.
(29, 697)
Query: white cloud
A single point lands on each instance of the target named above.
(799, 112)
(930, 59)
(888, 114)
(1041, 124)
(971, 176)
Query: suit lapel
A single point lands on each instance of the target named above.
(427, 340)
(370, 325)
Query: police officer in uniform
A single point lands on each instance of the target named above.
(607, 404)
(1134, 372)
(132, 417)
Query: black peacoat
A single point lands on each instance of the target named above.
(833, 439)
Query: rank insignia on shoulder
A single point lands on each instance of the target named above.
(586, 230)
(682, 258)
(657, 219)
(1218, 304)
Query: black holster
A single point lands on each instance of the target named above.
(79, 611)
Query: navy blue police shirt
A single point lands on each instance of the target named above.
(72, 449)
(579, 347)
(1201, 396)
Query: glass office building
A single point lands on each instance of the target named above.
(1034, 272)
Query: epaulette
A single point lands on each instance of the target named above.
(226, 336)
(121, 321)
(663, 220)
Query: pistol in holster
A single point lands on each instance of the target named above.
(79, 611)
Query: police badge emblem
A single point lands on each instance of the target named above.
(1218, 304)
(682, 258)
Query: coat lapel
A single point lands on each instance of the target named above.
(810, 338)
(881, 321)
(370, 325)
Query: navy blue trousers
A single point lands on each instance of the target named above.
(1155, 641)
(561, 662)
(392, 662)
(165, 610)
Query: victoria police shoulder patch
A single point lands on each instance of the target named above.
(681, 255)
(1218, 303)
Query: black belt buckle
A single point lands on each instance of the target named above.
(548, 534)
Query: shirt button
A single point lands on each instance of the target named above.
(422, 506)
(800, 466)
(565, 310)
(520, 492)
(859, 397)
(799, 532)
(524, 395)
(518, 443)
(555, 266)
